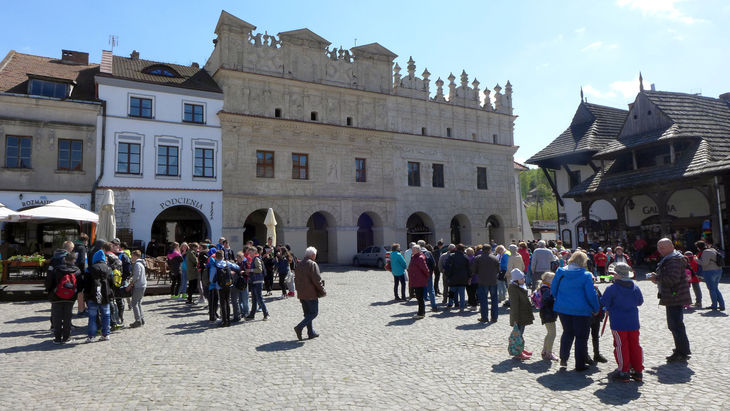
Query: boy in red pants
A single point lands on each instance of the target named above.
(622, 300)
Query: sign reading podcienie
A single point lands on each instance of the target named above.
(181, 201)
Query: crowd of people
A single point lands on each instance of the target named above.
(561, 285)
(101, 279)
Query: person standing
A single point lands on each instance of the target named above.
(309, 290)
(137, 286)
(548, 317)
(712, 273)
(283, 264)
(192, 273)
(61, 286)
(174, 261)
(437, 270)
(542, 259)
(239, 291)
(576, 302)
(398, 268)
(82, 262)
(486, 267)
(98, 294)
(418, 275)
(673, 286)
(256, 284)
(458, 273)
(520, 311)
(448, 295)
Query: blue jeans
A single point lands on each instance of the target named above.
(675, 323)
(257, 299)
(460, 296)
(239, 300)
(430, 294)
(183, 282)
(712, 279)
(94, 308)
(482, 292)
(501, 289)
(399, 280)
(310, 309)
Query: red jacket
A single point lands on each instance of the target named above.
(600, 259)
(525, 256)
(418, 271)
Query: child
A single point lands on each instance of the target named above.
(595, 330)
(622, 299)
(600, 260)
(694, 280)
(548, 316)
(520, 311)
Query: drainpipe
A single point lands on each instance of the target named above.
(103, 149)
(719, 214)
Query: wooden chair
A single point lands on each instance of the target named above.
(162, 269)
(150, 268)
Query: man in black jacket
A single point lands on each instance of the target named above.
(486, 267)
(98, 294)
(82, 262)
(459, 274)
(61, 286)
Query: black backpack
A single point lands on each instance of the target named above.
(223, 276)
(719, 258)
(240, 282)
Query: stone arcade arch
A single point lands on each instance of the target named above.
(255, 230)
(321, 234)
(180, 223)
(460, 229)
(419, 226)
(369, 230)
(495, 229)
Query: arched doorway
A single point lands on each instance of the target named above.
(460, 230)
(255, 230)
(180, 223)
(419, 226)
(320, 236)
(369, 230)
(495, 231)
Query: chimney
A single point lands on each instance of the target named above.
(653, 87)
(195, 65)
(134, 55)
(74, 57)
(106, 61)
(725, 96)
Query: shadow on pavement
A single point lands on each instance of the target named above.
(383, 303)
(714, 313)
(34, 319)
(674, 373)
(565, 380)
(533, 367)
(473, 326)
(34, 333)
(618, 393)
(280, 346)
(402, 321)
(46, 345)
(190, 328)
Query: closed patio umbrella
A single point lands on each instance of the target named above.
(107, 229)
(270, 223)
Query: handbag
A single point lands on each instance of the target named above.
(515, 342)
(321, 292)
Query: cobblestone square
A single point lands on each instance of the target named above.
(372, 353)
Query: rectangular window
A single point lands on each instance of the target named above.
(277, 112)
(70, 155)
(574, 177)
(438, 175)
(349, 121)
(265, 164)
(448, 131)
(140, 107)
(361, 175)
(481, 178)
(193, 113)
(300, 166)
(47, 89)
(314, 116)
(167, 160)
(414, 174)
(128, 158)
(204, 163)
(17, 152)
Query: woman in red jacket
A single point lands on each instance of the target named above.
(418, 276)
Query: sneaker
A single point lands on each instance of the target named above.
(599, 358)
(620, 376)
(135, 324)
(174, 296)
(90, 339)
(183, 296)
(637, 376)
(419, 317)
(267, 317)
(553, 357)
(248, 317)
(526, 352)
(522, 357)
(57, 342)
(104, 338)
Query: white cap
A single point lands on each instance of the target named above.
(517, 274)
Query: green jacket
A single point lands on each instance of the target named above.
(520, 309)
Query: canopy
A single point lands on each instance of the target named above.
(107, 229)
(61, 209)
(5, 213)
(270, 223)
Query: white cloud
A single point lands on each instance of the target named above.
(659, 8)
(591, 91)
(597, 45)
(629, 88)
(580, 30)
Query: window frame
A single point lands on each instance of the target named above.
(203, 113)
(19, 157)
(70, 155)
(361, 173)
(433, 176)
(167, 147)
(129, 161)
(480, 186)
(414, 181)
(264, 166)
(212, 167)
(41, 82)
(297, 167)
(141, 98)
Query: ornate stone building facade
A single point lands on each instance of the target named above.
(351, 152)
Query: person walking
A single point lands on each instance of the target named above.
(486, 268)
(309, 290)
(576, 302)
(398, 268)
(418, 275)
(137, 286)
(673, 286)
(712, 272)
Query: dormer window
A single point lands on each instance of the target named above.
(161, 70)
(46, 88)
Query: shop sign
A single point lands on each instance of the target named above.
(181, 201)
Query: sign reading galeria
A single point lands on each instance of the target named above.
(682, 204)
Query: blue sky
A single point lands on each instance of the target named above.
(546, 49)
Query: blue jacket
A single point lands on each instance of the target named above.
(504, 260)
(622, 300)
(397, 263)
(574, 293)
(213, 266)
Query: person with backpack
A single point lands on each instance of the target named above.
(709, 258)
(543, 300)
(256, 284)
(137, 286)
(520, 312)
(98, 294)
(398, 268)
(61, 286)
(221, 278)
(239, 291)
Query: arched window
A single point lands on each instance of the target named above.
(161, 70)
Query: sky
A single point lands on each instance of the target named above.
(548, 50)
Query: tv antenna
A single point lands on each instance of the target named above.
(113, 41)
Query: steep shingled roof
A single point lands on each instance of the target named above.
(15, 68)
(189, 77)
(593, 127)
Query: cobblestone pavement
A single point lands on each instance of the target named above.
(372, 353)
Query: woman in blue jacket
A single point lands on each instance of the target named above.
(576, 302)
(398, 268)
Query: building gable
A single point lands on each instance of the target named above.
(644, 117)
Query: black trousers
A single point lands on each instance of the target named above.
(192, 287)
(471, 292)
(595, 335)
(436, 278)
(282, 283)
(120, 307)
(61, 319)
(420, 291)
(212, 304)
(174, 283)
(269, 282)
(225, 302)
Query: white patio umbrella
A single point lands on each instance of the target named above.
(270, 223)
(6, 213)
(107, 229)
(61, 209)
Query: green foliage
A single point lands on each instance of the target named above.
(541, 202)
(547, 211)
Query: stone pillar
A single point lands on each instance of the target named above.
(234, 236)
(344, 246)
(296, 237)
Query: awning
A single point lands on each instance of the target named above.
(6, 213)
(61, 209)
